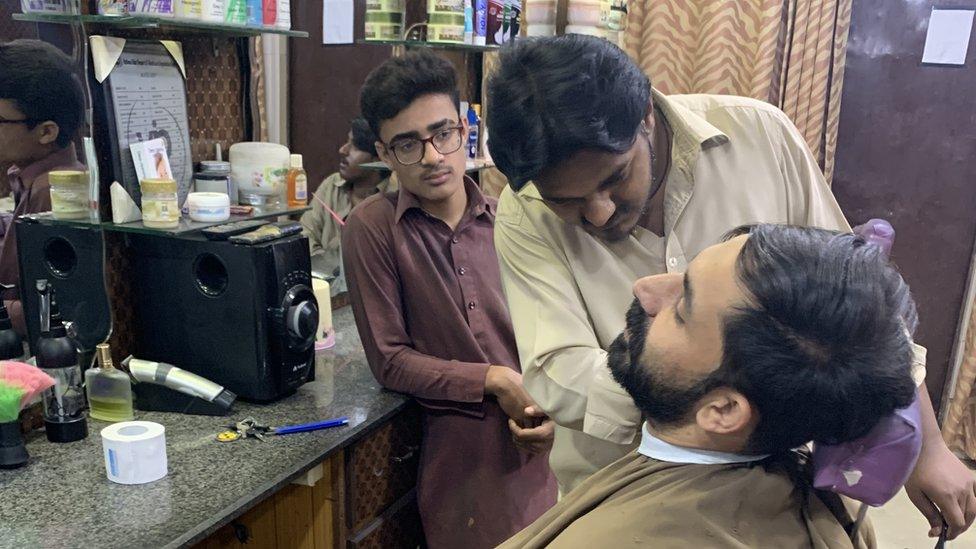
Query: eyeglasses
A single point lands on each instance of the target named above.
(411, 151)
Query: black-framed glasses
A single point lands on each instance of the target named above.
(411, 150)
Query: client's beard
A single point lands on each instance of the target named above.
(663, 402)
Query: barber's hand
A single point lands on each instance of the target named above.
(941, 482)
(535, 440)
(506, 385)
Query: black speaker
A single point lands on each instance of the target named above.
(71, 259)
(241, 316)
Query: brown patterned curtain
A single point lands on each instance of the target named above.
(959, 423)
(788, 52)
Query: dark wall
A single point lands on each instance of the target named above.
(323, 88)
(907, 153)
(10, 29)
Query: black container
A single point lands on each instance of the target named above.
(240, 316)
(65, 419)
(11, 344)
(13, 453)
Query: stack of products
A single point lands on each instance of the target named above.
(504, 20)
(613, 15)
(49, 6)
(584, 17)
(540, 17)
(445, 21)
(153, 8)
(260, 13)
(384, 19)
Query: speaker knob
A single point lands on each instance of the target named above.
(302, 319)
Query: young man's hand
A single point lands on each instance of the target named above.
(506, 386)
(535, 440)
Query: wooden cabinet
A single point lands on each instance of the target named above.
(381, 469)
(365, 499)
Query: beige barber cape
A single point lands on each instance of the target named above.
(735, 161)
(642, 502)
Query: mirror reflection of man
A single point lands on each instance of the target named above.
(41, 108)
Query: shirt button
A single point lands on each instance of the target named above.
(471, 305)
(673, 262)
(462, 270)
(455, 240)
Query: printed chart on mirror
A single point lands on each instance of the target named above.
(149, 102)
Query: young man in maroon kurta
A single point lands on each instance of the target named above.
(426, 291)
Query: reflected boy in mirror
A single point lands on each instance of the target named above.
(41, 107)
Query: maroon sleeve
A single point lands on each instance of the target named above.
(375, 284)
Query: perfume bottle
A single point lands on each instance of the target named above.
(109, 389)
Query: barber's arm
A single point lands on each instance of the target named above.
(564, 367)
(940, 481)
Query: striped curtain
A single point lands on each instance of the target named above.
(959, 423)
(788, 52)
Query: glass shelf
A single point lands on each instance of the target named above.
(147, 22)
(187, 226)
(472, 165)
(432, 45)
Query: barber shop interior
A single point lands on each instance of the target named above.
(465, 274)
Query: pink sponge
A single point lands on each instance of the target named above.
(28, 378)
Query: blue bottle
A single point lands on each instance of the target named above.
(472, 132)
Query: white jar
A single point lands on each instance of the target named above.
(208, 207)
(259, 168)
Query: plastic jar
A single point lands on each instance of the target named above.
(160, 203)
(259, 168)
(214, 177)
(208, 207)
(69, 194)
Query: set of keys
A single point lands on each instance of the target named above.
(250, 428)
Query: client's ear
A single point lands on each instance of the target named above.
(725, 411)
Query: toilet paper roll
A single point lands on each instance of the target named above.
(135, 452)
(325, 335)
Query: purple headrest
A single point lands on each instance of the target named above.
(873, 468)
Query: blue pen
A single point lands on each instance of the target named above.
(306, 427)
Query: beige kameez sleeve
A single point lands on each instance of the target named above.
(811, 203)
(559, 352)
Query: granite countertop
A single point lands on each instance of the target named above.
(62, 498)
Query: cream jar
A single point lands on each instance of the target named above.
(208, 207)
(69, 194)
(160, 203)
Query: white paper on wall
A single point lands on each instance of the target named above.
(947, 40)
(337, 21)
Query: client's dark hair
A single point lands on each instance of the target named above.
(39, 79)
(363, 137)
(553, 97)
(823, 348)
(399, 81)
